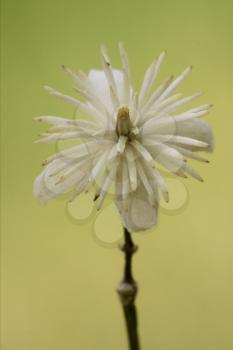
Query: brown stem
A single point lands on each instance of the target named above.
(127, 291)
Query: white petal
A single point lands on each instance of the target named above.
(121, 144)
(79, 188)
(54, 120)
(189, 154)
(94, 101)
(183, 140)
(158, 125)
(51, 138)
(163, 119)
(114, 98)
(125, 184)
(105, 185)
(40, 191)
(167, 156)
(189, 170)
(101, 162)
(175, 83)
(146, 184)
(124, 59)
(109, 73)
(58, 178)
(192, 113)
(197, 129)
(157, 181)
(107, 67)
(100, 83)
(76, 78)
(112, 157)
(133, 109)
(126, 73)
(62, 128)
(131, 168)
(141, 150)
(160, 106)
(76, 103)
(156, 94)
(141, 215)
(162, 184)
(150, 77)
(61, 176)
(181, 103)
(80, 151)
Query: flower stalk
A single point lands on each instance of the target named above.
(127, 291)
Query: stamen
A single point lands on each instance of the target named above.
(124, 124)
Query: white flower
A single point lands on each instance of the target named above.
(128, 135)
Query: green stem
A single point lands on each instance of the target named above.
(127, 291)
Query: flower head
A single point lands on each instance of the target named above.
(127, 135)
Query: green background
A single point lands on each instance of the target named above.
(58, 279)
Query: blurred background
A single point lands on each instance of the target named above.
(60, 264)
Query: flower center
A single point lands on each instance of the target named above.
(123, 124)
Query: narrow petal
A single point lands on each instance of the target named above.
(155, 176)
(193, 113)
(161, 106)
(175, 83)
(121, 144)
(76, 103)
(105, 186)
(150, 77)
(108, 72)
(189, 170)
(135, 115)
(146, 184)
(126, 75)
(59, 177)
(181, 103)
(141, 150)
(62, 128)
(114, 98)
(76, 78)
(124, 59)
(156, 94)
(162, 184)
(189, 154)
(167, 156)
(100, 163)
(64, 132)
(94, 100)
(52, 138)
(79, 188)
(177, 139)
(125, 184)
(54, 120)
(166, 102)
(40, 191)
(77, 152)
(63, 97)
(163, 118)
(131, 168)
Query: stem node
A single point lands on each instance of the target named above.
(127, 291)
